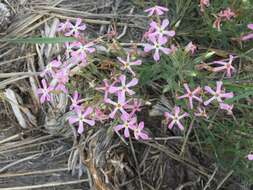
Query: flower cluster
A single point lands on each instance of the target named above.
(57, 73)
(118, 94)
(158, 34)
(118, 97)
(224, 15)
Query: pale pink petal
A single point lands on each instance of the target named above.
(148, 47)
(170, 126)
(165, 23)
(209, 101)
(118, 127)
(250, 156)
(133, 82)
(168, 115)
(90, 122)
(250, 26)
(156, 55)
(80, 127)
(165, 50)
(180, 126)
(209, 89)
(126, 132)
(153, 25)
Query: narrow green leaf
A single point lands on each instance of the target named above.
(40, 40)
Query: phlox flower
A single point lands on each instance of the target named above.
(160, 30)
(157, 46)
(134, 107)
(63, 26)
(190, 47)
(191, 95)
(139, 133)
(100, 115)
(250, 35)
(50, 66)
(175, 119)
(82, 51)
(45, 91)
(105, 88)
(203, 4)
(62, 77)
(156, 10)
(126, 65)
(218, 95)
(118, 106)
(74, 30)
(82, 117)
(227, 107)
(124, 88)
(201, 112)
(225, 66)
(226, 14)
(75, 101)
(128, 123)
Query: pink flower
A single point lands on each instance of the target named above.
(99, 115)
(175, 119)
(139, 133)
(190, 47)
(75, 101)
(124, 88)
(191, 95)
(156, 10)
(227, 107)
(160, 30)
(50, 66)
(118, 106)
(63, 26)
(74, 29)
(127, 64)
(105, 88)
(135, 107)
(201, 112)
(81, 117)
(82, 50)
(226, 14)
(218, 95)
(157, 46)
(45, 91)
(250, 156)
(203, 5)
(128, 123)
(248, 36)
(226, 66)
(62, 77)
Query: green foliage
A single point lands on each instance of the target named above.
(39, 40)
(228, 139)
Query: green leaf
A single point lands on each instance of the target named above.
(40, 40)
